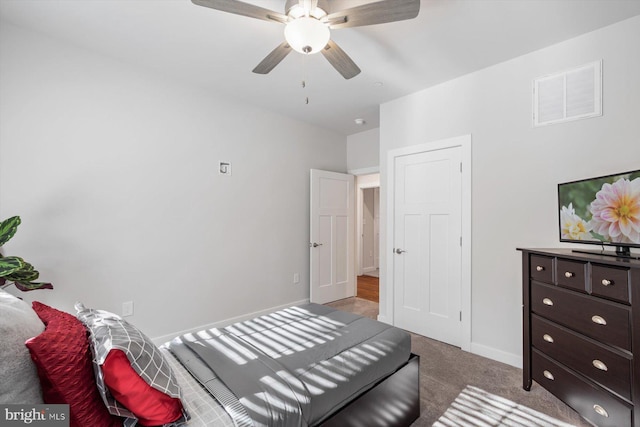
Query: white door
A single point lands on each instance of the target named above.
(427, 257)
(331, 247)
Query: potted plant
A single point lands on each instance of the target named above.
(14, 270)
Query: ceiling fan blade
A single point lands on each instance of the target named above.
(340, 60)
(244, 9)
(273, 59)
(374, 13)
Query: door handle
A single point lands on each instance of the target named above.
(399, 251)
(314, 245)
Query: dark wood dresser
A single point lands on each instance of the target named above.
(581, 332)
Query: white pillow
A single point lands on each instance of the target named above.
(18, 323)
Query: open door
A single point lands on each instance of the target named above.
(332, 240)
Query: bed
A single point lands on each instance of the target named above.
(306, 365)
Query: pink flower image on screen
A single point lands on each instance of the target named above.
(616, 211)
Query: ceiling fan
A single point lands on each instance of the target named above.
(308, 24)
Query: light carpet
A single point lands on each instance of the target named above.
(475, 407)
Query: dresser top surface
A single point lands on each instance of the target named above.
(579, 255)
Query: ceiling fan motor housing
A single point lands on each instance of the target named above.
(322, 4)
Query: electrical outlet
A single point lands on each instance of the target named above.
(296, 278)
(127, 308)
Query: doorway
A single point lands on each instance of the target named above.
(368, 236)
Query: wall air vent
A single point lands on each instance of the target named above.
(569, 95)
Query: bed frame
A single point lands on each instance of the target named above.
(400, 390)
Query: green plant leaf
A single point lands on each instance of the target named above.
(10, 264)
(32, 286)
(26, 274)
(8, 228)
(14, 270)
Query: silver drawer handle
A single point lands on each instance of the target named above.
(540, 268)
(600, 365)
(548, 375)
(547, 301)
(598, 320)
(600, 411)
(568, 274)
(606, 282)
(547, 338)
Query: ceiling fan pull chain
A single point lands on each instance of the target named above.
(304, 75)
(306, 99)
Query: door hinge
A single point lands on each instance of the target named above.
(461, 316)
(460, 167)
(460, 240)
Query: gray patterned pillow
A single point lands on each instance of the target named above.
(108, 332)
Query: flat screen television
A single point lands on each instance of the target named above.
(602, 211)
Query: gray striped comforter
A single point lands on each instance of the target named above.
(294, 367)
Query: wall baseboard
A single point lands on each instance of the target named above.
(498, 355)
(226, 322)
(482, 350)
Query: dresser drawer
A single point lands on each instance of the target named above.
(602, 320)
(610, 282)
(572, 274)
(590, 401)
(597, 362)
(541, 268)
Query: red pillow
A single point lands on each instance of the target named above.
(150, 406)
(64, 362)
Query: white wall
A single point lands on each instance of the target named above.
(363, 152)
(515, 167)
(113, 170)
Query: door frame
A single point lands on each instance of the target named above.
(387, 296)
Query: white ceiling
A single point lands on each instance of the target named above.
(217, 50)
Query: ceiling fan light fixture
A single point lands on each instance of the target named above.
(307, 35)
